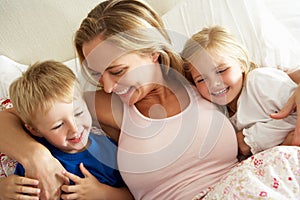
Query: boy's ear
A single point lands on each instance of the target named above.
(33, 131)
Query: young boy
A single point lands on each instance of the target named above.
(48, 99)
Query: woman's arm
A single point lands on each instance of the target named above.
(294, 75)
(36, 159)
(106, 110)
(291, 105)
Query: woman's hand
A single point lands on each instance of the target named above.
(18, 187)
(48, 170)
(290, 106)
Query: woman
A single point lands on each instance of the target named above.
(171, 141)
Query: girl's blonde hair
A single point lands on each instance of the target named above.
(219, 40)
(40, 86)
(132, 26)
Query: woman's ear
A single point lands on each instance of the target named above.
(155, 56)
(33, 131)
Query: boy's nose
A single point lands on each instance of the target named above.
(73, 126)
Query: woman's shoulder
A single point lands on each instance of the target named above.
(106, 108)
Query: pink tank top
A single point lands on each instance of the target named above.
(176, 157)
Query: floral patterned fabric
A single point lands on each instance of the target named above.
(271, 174)
(7, 165)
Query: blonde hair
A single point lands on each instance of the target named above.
(40, 86)
(219, 40)
(131, 25)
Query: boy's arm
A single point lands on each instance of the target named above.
(36, 159)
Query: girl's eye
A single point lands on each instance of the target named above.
(199, 80)
(78, 114)
(220, 71)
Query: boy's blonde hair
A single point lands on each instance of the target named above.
(219, 40)
(40, 86)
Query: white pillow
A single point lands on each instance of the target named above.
(268, 42)
(10, 70)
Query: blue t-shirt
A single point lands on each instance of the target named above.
(99, 159)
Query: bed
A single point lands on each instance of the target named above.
(36, 30)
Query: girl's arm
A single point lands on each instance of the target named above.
(36, 159)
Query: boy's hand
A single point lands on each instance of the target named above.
(87, 188)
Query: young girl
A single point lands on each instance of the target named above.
(224, 74)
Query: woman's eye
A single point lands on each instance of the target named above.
(95, 74)
(78, 114)
(117, 72)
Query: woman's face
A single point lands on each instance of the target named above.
(218, 78)
(129, 75)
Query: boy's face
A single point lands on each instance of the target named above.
(65, 125)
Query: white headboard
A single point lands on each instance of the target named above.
(43, 29)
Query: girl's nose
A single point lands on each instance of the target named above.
(215, 82)
(108, 83)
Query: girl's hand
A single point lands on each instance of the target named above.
(88, 188)
(18, 187)
(244, 149)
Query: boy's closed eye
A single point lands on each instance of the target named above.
(57, 127)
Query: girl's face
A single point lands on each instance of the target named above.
(129, 75)
(65, 125)
(218, 78)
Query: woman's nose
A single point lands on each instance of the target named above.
(108, 83)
